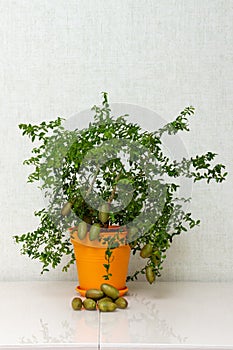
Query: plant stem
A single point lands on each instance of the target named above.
(110, 199)
(93, 182)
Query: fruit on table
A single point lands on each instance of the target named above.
(107, 306)
(106, 298)
(77, 303)
(95, 294)
(110, 291)
(121, 303)
(89, 304)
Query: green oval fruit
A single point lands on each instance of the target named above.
(121, 303)
(105, 299)
(146, 251)
(89, 304)
(150, 275)
(110, 290)
(77, 303)
(95, 294)
(104, 213)
(156, 257)
(94, 232)
(82, 230)
(66, 209)
(107, 306)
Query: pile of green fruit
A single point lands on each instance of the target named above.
(106, 299)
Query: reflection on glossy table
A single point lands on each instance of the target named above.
(167, 315)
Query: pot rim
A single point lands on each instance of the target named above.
(110, 231)
(111, 228)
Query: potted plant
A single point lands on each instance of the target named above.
(115, 188)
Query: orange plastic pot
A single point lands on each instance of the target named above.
(90, 257)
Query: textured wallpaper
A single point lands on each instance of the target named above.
(57, 56)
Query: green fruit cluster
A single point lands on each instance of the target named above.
(93, 234)
(106, 299)
(155, 255)
(83, 227)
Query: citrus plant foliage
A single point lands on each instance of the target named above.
(85, 180)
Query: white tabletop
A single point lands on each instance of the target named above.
(167, 315)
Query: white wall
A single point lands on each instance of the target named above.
(56, 56)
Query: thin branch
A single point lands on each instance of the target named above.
(93, 182)
(110, 199)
